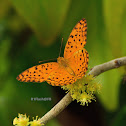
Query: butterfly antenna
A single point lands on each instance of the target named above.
(61, 47)
(55, 58)
(46, 60)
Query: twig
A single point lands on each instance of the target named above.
(67, 99)
(96, 70)
(62, 104)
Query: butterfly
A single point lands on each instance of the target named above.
(67, 69)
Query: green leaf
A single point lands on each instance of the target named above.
(45, 17)
(113, 15)
(4, 7)
(113, 11)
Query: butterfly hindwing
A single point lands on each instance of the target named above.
(60, 77)
(79, 62)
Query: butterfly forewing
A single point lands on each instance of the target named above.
(38, 73)
(77, 39)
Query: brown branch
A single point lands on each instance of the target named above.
(67, 99)
(62, 104)
(96, 70)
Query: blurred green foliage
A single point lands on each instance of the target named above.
(32, 30)
(43, 17)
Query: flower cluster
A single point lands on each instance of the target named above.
(23, 120)
(83, 89)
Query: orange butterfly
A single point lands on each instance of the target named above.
(67, 69)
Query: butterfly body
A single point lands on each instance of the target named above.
(67, 69)
(65, 64)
